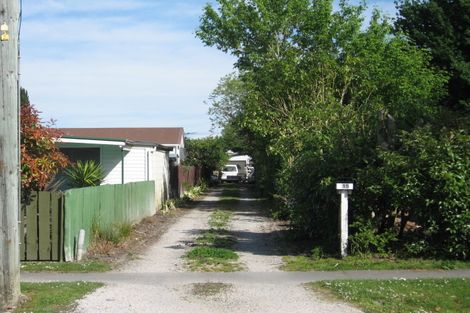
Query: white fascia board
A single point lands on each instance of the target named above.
(91, 142)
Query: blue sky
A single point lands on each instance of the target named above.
(121, 63)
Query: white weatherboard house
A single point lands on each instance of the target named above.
(138, 138)
(123, 160)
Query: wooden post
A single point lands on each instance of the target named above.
(344, 224)
(344, 189)
(9, 154)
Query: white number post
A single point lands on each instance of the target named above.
(344, 189)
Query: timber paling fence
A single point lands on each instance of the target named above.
(50, 224)
(183, 177)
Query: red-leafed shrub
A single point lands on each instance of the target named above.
(40, 157)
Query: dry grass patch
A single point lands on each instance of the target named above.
(209, 289)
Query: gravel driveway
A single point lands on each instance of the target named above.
(256, 245)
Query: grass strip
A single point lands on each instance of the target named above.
(211, 259)
(305, 263)
(214, 253)
(53, 297)
(230, 195)
(219, 220)
(65, 267)
(400, 296)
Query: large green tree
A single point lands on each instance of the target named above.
(442, 26)
(325, 96)
(207, 153)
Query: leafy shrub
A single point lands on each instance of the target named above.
(192, 193)
(365, 239)
(425, 181)
(207, 153)
(84, 174)
(417, 248)
(317, 253)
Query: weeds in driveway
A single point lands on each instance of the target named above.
(393, 296)
(218, 239)
(219, 220)
(230, 195)
(212, 259)
(53, 297)
(312, 263)
(209, 289)
(65, 267)
(214, 253)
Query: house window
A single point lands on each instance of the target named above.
(82, 154)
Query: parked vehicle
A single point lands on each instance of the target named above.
(229, 173)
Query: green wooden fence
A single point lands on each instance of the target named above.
(104, 205)
(41, 230)
(51, 222)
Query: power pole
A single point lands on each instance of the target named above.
(9, 154)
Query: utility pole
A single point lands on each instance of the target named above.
(9, 154)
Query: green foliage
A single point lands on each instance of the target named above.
(402, 295)
(442, 27)
(425, 181)
(226, 100)
(207, 153)
(84, 174)
(328, 97)
(216, 238)
(211, 253)
(367, 262)
(115, 233)
(194, 192)
(214, 253)
(365, 239)
(65, 267)
(317, 253)
(219, 220)
(53, 297)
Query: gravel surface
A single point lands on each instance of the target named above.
(257, 236)
(256, 245)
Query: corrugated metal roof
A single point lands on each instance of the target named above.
(160, 135)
